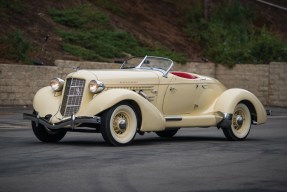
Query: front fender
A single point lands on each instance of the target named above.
(152, 119)
(46, 102)
(230, 98)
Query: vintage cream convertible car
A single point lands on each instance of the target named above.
(144, 95)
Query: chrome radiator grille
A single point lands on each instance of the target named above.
(72, 98)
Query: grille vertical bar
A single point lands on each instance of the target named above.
(72, 96)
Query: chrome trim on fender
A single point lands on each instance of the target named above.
(173, 118)
(226, 122)
(71, 123)
(228, 116)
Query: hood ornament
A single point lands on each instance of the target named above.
(76, 68)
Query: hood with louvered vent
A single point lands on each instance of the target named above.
(110, 77)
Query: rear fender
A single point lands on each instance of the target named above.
(152, 119)
(230, 98)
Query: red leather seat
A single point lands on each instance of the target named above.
(183, 75)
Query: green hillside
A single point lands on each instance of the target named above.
(97, 30)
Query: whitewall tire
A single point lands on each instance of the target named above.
(119, 125)
(240, 124)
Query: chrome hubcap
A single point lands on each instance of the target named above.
(120, 123)
(239, 120)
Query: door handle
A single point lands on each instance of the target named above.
(204, 86)
(172, 89)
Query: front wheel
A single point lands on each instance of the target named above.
(119, 124)
(46, 135)
(240, 124)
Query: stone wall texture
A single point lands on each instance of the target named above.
(19, 83)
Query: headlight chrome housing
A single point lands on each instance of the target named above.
(96, 86)
(57, 84)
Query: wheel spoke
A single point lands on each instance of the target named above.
(121, 117)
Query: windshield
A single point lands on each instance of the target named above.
(149, 62)
(131, 63)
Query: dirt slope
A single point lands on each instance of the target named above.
(153, 22)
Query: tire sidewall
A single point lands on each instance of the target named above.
(244, 131)
(107, 129)
(231, 133)
(45, 135)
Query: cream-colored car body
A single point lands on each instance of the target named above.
(148, 97)
(169, 102)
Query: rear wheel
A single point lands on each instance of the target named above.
(240, 124)
(167, 133)
(119, 124)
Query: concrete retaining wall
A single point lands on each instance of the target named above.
(19, 83)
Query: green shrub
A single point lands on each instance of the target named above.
(266, 47)
(93, 38)
(14, 46)
(229, 36)
(113, 7)
(13, 5)
(195, 23)
(81, 52)
(85, 16)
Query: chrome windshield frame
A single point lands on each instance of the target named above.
(163, 71)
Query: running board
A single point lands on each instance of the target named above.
(193, 121)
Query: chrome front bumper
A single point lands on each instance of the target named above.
(68, 123)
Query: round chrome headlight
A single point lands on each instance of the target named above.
(57, 84)
(96, 86)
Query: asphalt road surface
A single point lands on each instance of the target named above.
(194, 160)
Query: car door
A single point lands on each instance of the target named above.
(180, 97)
